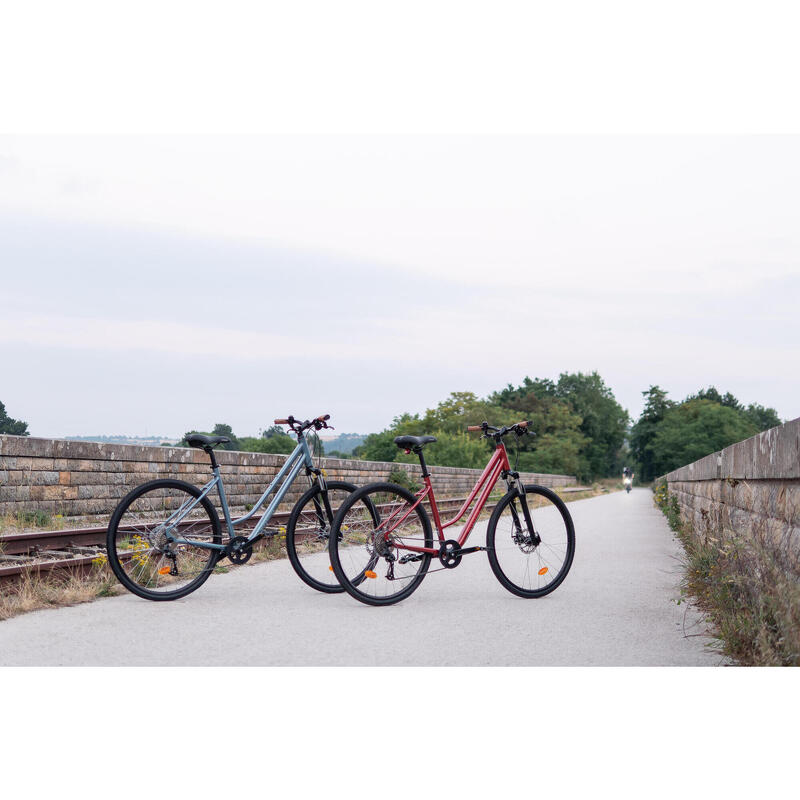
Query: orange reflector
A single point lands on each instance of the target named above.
(330, 567)
(370, 574)
(543, 570)
(164, 571)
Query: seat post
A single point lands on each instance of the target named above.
(210, 451)
(425, 473)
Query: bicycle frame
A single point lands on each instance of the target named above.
(498, 464)
(299, 458)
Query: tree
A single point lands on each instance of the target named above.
(15, 427)
(558, 441)
(378, 447)
(274, 444)
(643, 432)
(694, 429)
(762, 418)
(603, 421)
(714, 396)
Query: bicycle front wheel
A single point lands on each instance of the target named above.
(369, 544)
(308, 532)
(139, 543)
(531, 563)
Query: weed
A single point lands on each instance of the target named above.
(403, 478)
(747, 582)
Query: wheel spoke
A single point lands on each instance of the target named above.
(366, 544)
(139, 551)
(515, 558)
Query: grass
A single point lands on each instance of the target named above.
(52, 590)
(31, 520)
(746, 582)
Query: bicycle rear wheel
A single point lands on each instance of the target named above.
(140, 552)
(368, 544)
(531, 564)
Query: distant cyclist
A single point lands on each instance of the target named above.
(627, 478)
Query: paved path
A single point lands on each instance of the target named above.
(616, 607)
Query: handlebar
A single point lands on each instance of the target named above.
(319, 423)
(518, 427)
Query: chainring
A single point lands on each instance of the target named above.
(449, 555)
(239, 550)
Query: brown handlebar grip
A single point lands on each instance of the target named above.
(523, 424)
(323, 417)
(474, 427)
(281, 421)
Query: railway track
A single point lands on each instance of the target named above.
(77, 550)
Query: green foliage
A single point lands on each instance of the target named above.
(592, 447)
(643, 432)
(451, 450)
(274, 444)
(762, 418)
(693, 430)
(668, 503)
(668, 435)
(402, 478)
(15, 427)
(558, 442)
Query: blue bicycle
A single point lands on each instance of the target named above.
(165, 537)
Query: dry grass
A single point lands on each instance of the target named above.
(51, 590)
(746, 582)
(31, 521)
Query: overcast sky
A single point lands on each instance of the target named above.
(154, 285)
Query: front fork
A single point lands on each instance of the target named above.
(321, 509)
(515, 484)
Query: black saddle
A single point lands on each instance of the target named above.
(201, 440)
(415, 443)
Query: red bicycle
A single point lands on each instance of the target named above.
(381, 541)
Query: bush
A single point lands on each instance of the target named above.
(403, 478)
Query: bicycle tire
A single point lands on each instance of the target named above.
(355, 540)
(552, 522)
(125, 525)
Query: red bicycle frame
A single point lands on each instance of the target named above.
(498, 464)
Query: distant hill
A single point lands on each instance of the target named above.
(344, 443)
(147, 441)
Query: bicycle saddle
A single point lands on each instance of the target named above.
(201, 440)
(413, 442)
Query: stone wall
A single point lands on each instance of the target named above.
(749, 485)
(85, 480)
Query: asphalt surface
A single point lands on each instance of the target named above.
(616, 607)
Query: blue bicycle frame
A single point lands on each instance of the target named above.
(299, 459)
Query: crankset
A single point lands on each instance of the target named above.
(450, 553)
(239, 550)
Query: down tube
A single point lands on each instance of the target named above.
(476, 512)
(276, 501)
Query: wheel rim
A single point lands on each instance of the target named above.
(311, 537)
(533, 568)
(374, 568)
(145, 556)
